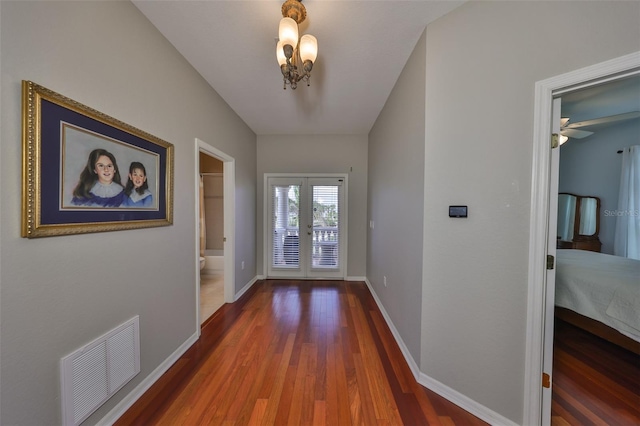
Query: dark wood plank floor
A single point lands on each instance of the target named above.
(594, 381)
(295, 352)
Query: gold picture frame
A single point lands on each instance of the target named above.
(71, 180)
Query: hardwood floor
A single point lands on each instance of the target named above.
(295, 352)
(594, 381)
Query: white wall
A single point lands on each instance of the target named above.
(320, 154)
(395, 200)
(59, 293)
(483, 60)
(592, 166)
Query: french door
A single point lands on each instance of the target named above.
(307, 227)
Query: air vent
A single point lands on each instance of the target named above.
(92, 374)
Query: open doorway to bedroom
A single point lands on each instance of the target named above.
(543, 265)
(601, 122)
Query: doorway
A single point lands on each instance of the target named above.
(539, 313)
(590, 166)
(307, 226)
(211, 235)
(215, 212)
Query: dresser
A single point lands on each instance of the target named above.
(589, 245)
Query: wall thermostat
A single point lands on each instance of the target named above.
(458, 211)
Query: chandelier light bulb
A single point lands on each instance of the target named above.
(308, 48)
(282, 59)
(288, 32)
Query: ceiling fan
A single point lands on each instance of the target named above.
(574, 130)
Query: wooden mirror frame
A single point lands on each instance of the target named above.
(583, 242)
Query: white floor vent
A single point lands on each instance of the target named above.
(92, 374)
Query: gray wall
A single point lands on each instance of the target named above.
(60, 293)
(320, 154)
(483, 60)
(395, 200)
(591, 166)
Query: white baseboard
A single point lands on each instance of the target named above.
(430, 383)
(462, 401)
(245, 288)
(356, 279)
(112, 416)
(415, 370)
(264, 277)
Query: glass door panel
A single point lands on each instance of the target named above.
(325, 220)
(284, 208)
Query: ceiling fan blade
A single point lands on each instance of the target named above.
(609, 119)
(575, 133)
(564, 121)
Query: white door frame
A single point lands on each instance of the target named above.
(545, 90)
(229, 226)
(550, 285)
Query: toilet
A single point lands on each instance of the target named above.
(202, 260)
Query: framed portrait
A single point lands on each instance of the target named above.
(83, 171)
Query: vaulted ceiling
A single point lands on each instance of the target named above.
(362, 49)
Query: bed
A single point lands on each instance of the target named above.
(600, 293)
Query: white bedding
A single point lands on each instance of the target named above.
(600, 286)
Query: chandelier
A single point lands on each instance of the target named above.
(295, 57)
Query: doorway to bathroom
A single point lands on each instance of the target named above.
(211, 196)
(214, 220)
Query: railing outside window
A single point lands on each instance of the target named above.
(324, 247)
